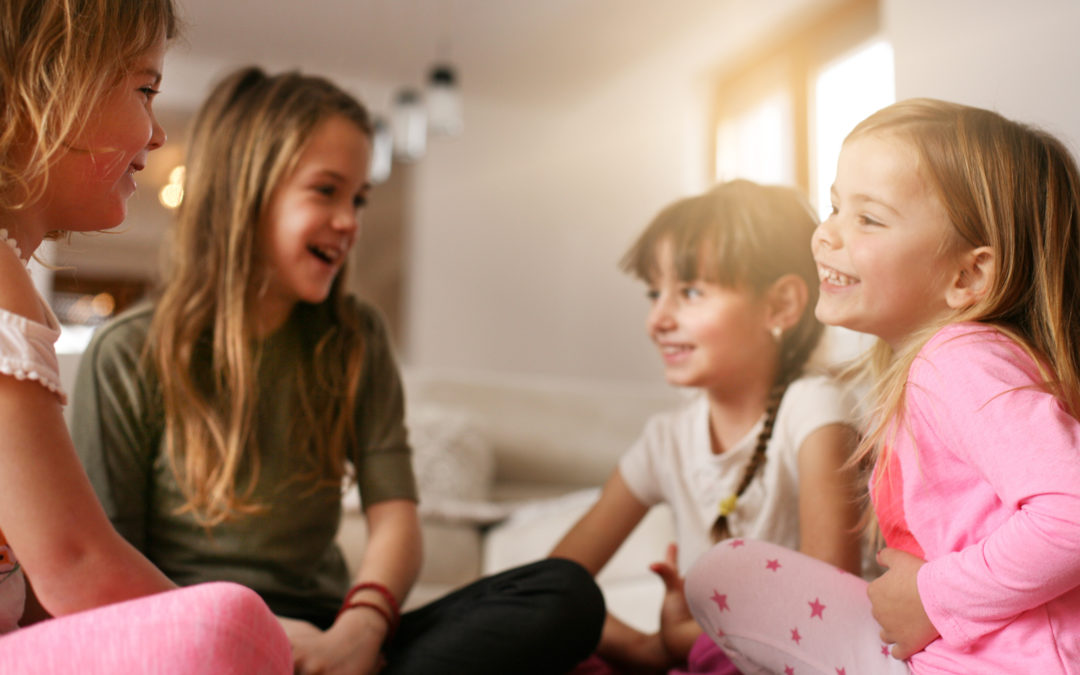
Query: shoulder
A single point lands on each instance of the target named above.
(964, 367)
(126, 335)
(673, 431)
(132, 325)
(963, 352)
(817, 398)
(364, 316)
(17, 293)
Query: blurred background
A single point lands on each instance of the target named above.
(531, 141)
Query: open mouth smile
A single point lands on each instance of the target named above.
(828, 275)
(328, 254)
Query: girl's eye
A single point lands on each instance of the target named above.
(359, 202)
(149, 92)
(326, 190)
(652, 294)
(691, 292)
(868, 221)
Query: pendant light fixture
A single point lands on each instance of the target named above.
(444, 102)
(382, 150)
(409, 125)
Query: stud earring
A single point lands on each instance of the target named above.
(777, 333)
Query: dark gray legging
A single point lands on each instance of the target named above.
(539, 619)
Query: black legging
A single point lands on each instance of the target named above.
(539, 619)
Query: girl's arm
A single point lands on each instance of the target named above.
(391, 558)
(50, 515)
(1000, 440)
(828, 505)
(48, 511)
(592, 541)
(603, 529)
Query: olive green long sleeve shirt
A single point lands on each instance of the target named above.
(286, 553)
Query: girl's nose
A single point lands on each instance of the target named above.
(347, 219)
(827, 234)
(157, 134)
(660, 317)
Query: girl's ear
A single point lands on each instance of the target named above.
(973, 280)
(785, 301)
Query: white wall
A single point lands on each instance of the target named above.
(520, 224)
(1018, 58)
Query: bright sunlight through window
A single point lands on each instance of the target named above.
(757, 144)
(846, 91)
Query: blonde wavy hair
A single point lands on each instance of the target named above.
(1013, 188)
(58, 59)
(245, 140)
(740, 234)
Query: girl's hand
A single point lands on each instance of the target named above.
(896, 605)
(350, 647)
(678, 630)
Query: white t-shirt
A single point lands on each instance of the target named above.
(673, 462)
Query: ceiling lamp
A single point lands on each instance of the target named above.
(409, 126)
(444, 102)
(382, 150)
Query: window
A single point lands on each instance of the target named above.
(845, 92)
(783, 111)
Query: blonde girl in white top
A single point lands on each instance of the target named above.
(77, 83)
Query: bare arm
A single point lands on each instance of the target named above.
(828, 505)
(592, 541)
(603, 529)
(51, 516)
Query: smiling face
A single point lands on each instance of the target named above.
(887, 253)
(89, 185)
(709, 336)
(312, 219)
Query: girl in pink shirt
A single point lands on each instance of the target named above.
(954, 237)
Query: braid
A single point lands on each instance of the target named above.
(719, 528)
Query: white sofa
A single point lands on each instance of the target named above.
(506, 464)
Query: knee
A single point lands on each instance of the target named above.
(574, 600)
(228, 599)
(226, 608)
(237, 627)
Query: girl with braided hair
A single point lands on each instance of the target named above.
(759, 450)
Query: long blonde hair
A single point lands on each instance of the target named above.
(1015, 189)
(245, 140)
(58, 59)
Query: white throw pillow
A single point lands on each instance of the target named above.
(454, 465)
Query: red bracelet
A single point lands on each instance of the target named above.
(395, 610)
(390, 625)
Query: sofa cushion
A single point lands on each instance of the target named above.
(454, 466)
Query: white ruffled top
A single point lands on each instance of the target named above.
(27, 350)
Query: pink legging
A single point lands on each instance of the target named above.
(774, 610)
(219, 628)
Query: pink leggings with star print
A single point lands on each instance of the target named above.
(774, 610)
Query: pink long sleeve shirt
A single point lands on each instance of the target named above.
(988, 491)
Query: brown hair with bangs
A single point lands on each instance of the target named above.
(740, 234)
